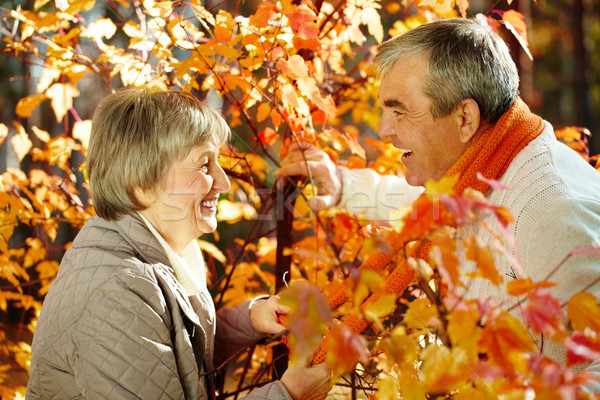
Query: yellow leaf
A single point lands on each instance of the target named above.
(291, 100)
(411, 388)
(380, 308)
(401, 347)
(464, 332)
(159, 9)
(3, 132)
(49, 75)
(62, 98)
(101, 28)
(234, 212)
(76, 6)
(39, 4)
(225, 19)
(21, 141)
(444, 369)
(443, 186)
(212, 250)
(26, 105)
(297, 67)
(35, 252)
(387, 389)
(372, 19)
(420, 314)
(41, 134)
(81, 131)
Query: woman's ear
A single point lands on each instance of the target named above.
(144, 197)
(469, 120)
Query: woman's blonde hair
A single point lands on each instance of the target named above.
(137, 134)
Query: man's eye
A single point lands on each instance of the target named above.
(204, 168)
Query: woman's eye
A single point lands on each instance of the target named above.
(204, 168)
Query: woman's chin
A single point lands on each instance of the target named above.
(208, 225)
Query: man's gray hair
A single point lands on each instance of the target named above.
(137, 134)
(466, 59)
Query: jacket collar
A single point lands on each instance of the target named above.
(148, 249)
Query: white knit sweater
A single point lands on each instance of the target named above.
(554, 196)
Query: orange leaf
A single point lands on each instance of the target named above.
(504, 339)
(515, 23)
(265, 12)
(482, 255)
(308, 31)
(584, 311)
(263, 112)
(301, 16)
(443, 252)
(519, 287)
(222, 34)
(26, 105)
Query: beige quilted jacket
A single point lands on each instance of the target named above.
(116, 324)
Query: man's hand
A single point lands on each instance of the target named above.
(307, 383)
(324, 172)
(264, 315)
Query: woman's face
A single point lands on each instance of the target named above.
(185, 206)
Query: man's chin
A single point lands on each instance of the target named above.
(414, 180)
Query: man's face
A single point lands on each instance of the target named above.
(431, 144)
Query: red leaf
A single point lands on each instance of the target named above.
(268, 136)
(543, 312)
(582, 348)
(345, 349)
(308, 317)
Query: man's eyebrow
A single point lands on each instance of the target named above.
(393, 103)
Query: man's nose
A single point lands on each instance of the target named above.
(385, 127)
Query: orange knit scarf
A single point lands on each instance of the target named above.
(491, 154)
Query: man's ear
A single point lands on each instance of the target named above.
(469, 120)
(144, 197)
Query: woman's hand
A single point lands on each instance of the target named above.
(264, 315)
(307, 383)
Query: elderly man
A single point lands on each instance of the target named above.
(449, 94)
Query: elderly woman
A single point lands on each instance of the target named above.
(129, 315)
